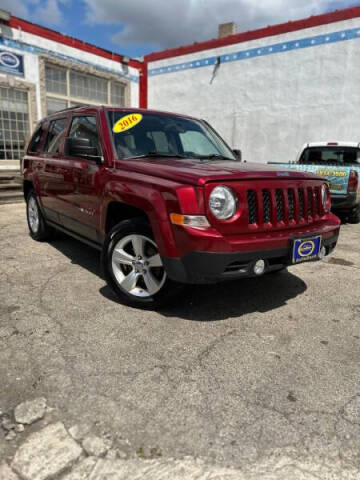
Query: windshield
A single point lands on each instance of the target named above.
(148, 134)
(330, 156)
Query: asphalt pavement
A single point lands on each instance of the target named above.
(261, 375)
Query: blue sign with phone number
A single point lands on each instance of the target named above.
(337, 176)
(11, 63)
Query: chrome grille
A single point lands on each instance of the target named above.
(266, 206)
(291, 202)
(301, 203)
(317, 200)
(284, 203)
(279, 205)
(252, 206)
(309, 199)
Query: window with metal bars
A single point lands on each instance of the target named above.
(66, 87)
(117, 94)
(14, 122)
(55, 79)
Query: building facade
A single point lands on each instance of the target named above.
(42, 71)
(267, 91)
(271, 90)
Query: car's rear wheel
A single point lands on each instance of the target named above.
(37, 226)
(133, 266)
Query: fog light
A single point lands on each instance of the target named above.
(322, 253)
(259, 267)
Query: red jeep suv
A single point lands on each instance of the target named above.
(168, 202)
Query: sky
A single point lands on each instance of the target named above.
(137, 27)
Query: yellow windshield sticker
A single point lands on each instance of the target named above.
(127, 122)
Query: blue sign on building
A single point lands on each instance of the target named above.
(11, 63)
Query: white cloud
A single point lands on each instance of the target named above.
(168, 23)
(16, 8)
(46, 12)
(49, 13)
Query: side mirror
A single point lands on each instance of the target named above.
(80, 147)
(237, 154)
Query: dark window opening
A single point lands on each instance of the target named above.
(330, 156)
(35, 141)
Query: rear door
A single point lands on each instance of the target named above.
(56, 183)
(33, 161)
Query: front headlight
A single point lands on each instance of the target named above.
(324, 197)
(222, 203)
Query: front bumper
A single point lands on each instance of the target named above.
(211, 267)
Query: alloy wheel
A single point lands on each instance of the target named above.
(33, 215)
(137, 266)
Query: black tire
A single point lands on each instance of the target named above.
(39, 231)
(355, 215)
(115, 273)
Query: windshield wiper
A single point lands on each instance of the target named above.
(213, 156)
(157, 154)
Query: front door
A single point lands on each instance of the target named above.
(86, 180)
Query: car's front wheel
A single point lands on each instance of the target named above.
(133, 267)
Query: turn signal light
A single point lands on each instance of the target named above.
(196, 221)
(353, 181)
(325, 197)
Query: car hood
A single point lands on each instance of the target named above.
(198, 172)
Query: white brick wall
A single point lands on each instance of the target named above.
(271, 105)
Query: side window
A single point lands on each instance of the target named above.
(85, 127)
(36, 140)
(55, 135)
(193, 141)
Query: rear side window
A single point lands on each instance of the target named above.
(55, 135)
(330, 156)
(35, 141)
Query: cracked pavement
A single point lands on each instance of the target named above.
(260, 375)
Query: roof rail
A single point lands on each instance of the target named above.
(71, 108)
